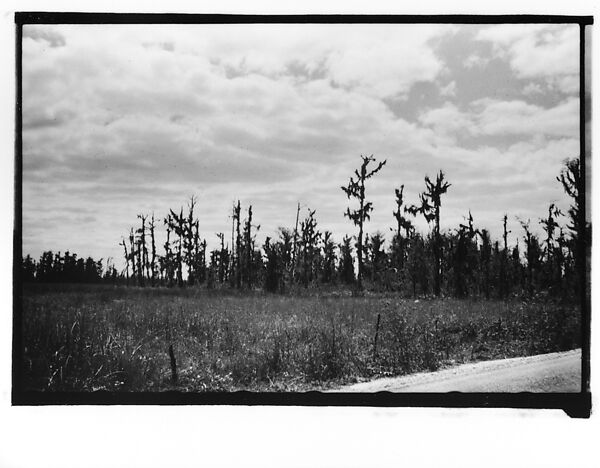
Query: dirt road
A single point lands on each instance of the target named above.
(554, 372)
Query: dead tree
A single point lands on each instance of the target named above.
(431, 202)
(153, 246)
(504, 289)
(187, 226)
(249, 248)
(132, 254)
(198, 255)
(221, 256)
(533, 255)
(231, 272)
(176, 223)
(124, 244)
(295, 245)
(145, 264)
(356, 190)
(169, 262)
(402, 223)
(238, 246)
(550, 225)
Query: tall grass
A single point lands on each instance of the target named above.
(118, 339)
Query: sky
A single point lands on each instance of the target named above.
(120, 120)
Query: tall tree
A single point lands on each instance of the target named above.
(168, 259)
(552, 271)
(223, 258)
(132, 255)
(177, 224)
(356, 190)
(403, 223)
(143, 250)
(124, 244)
(431, 202)
(573, 183)
(186, 225)
(533, 254)
(238, 245)
(152, 227)
(504, 289)
(231, 272)
(248, 248)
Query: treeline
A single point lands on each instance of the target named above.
(461, 262)
(67, 268)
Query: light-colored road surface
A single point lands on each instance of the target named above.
(554, 372)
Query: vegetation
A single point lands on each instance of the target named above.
(286, 316)
(460, 263)
(356, 190)
(116, 338)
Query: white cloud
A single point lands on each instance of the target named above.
(532, 89)
(517, 117)
(126, 119)
(448, 90)
(492, 117)
(447, 120)
(550, 52)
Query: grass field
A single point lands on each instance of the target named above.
(105, 338)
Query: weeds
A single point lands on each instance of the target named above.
(83, 340)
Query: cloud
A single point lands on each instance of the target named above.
(492, 117)
(447, 120)
(532, 89)
(449, 89)
(475, 60)
(42, 118)
(122, 120)
(44, 33)
(539, 51)
(519, 117)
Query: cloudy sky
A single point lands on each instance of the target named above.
(121, 120)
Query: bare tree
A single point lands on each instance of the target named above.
(504, 261)
(177, 224)
(152, 227)
(249, 248)
(187, 226)
(431, 202)
(124, 244)
(238, 246)
(533, 254)
(295, 246)
(356, 190)
(399, 241)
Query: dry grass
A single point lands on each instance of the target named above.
(90, 338)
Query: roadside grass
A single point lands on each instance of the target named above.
(85, 339)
